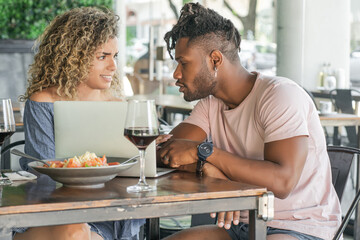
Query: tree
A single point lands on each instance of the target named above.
(174, 9)
(247, 21)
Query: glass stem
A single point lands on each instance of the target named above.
(142, 180)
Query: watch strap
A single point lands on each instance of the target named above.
(199, 167)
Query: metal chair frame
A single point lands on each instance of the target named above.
(340, 159)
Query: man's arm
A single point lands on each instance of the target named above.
(189, 131)
(279, 172)
(181, 131)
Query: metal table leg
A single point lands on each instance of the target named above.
(5, 234)
(152, 228)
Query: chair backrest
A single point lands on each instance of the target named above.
(311, 96)
(341, 159)
(342, 101)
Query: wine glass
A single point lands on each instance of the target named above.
(7, 128)
(141, 128)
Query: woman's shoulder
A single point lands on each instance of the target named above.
(46, 95)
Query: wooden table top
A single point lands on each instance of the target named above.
(339, 116)
(44, 194)
(339, 119)
(326, 94)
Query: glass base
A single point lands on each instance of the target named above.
(140, 188)
(5, 181)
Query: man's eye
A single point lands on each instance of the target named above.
(101, 57)
(116, 56)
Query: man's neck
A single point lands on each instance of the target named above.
(236, 84)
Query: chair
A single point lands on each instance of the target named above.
(317, 107)
(5, 155)
(341, 159)
(342, 100)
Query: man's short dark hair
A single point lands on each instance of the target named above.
(205, 26)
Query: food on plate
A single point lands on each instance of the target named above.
(88, 159)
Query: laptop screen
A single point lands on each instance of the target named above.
(98, 127)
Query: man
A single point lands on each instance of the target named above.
(265, 131)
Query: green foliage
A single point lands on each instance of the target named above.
(27, 19)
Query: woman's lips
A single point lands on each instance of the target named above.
(107, 78)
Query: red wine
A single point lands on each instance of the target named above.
(141, 137)
(3, 135)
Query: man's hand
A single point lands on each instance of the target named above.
(162, 139)
(225, 218)
(178, 152)
(212, 171)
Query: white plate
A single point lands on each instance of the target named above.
(85, 177)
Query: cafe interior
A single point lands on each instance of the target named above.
(314, 43)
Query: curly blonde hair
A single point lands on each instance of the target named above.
(66, 50)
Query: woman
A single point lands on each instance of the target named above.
(76, 60)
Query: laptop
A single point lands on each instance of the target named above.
(98, 127)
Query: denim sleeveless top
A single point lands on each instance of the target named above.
(39, 131)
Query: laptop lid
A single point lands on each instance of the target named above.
(98, 127)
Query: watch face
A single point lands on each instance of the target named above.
(205, 149)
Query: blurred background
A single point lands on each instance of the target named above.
(303, 40)
(304, 32)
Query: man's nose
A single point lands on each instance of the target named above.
(177, 73)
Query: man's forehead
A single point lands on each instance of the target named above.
(184, 48)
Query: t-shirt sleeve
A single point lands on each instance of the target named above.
(283, 112)
(39, 131)
(200, 115)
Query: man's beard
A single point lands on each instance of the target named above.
(204, 83)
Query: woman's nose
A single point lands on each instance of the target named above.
(112, 64)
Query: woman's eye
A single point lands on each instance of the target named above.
(101, 57)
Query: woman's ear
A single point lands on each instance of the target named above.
(216, 58)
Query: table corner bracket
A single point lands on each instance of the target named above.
(266, 206)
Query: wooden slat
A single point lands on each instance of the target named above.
(340, 120)
(45, 195)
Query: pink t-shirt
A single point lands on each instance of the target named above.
(277, 108)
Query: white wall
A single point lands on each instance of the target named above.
(310, 33)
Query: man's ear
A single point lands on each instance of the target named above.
(216, 58)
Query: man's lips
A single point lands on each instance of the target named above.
(181, 86)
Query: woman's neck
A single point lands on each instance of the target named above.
(85, 93)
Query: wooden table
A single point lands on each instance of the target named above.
(42, 202)
(339, 120)
(326, 94)
(342, 120)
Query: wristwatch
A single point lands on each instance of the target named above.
(205, 149)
